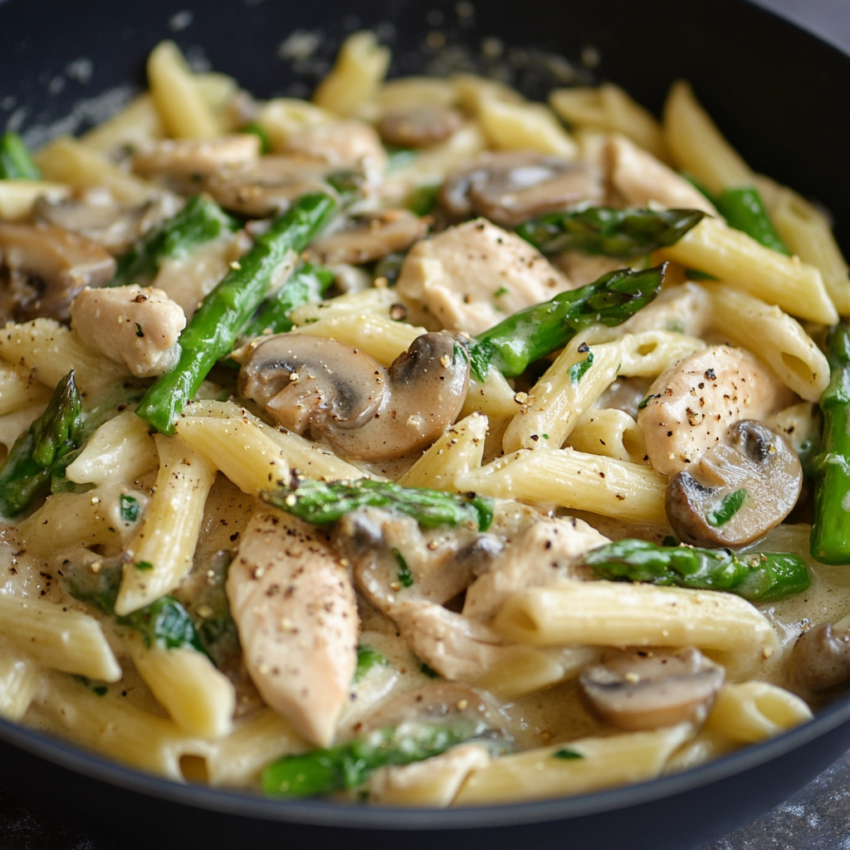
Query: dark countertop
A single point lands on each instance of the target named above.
(816, 818)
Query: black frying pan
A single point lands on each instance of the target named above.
(778, 93)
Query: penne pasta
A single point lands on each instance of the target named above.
(20, 677)
(754, 711)
(358, 73)
(17, 197)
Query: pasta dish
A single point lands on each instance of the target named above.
(417, 444)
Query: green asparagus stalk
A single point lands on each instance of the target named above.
(743, 209)
(15, 160)
(306, 284)
(543, 328)
(758, 577)
(349, 765)
(214, 327)
(323, 503)
(830, 541)
(200, 221)
(26, 473)
(611, 232)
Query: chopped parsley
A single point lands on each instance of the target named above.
(128, 508)
(729, 506)
(578, 370)
(566, 754)
(145, 566)
(405, 577)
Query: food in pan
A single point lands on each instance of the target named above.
(418, 444)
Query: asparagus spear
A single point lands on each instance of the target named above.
(830, 542)
(201, 220)
(543, 328)
(759, 577)
(743, 209)
(612, 232)
(15, 160)
(307, 283)
(26, 473)
(323, 503)
(214, 327)
(350, 765)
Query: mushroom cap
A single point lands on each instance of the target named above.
(652, 689)
(820, 660)
(511, 187)
(49, 266)
(420, 125)
(348, 401)
(737, 490)
(369, 237)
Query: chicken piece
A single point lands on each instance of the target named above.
(474, 275)
(294, 607)
(691, 405)
(342, 144)
(393, 560)
(433, 782)
(542, 554)
(134, 325)
(640, 178)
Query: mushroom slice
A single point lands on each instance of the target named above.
(513, 186)
(419, 126)
(737, 490)
(651, 689)
(369, 237)
(820, 660)
(97, 216)
(48, 266)
(691, 405)
(267, 186)
(348, 401)
(295, 610)
(187, 162)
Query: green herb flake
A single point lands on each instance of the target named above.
(145, 566)
(647, 399)
(139, 331)
(128, 508)
(578, 370)
(430, 672)
(545, 436)
(729, 506)
(367, 659)
(502, 290)
(696, 274)
(567, 755)
(405, 577)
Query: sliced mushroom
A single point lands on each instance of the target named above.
(737, 490)
(419, 126)
(651, 689)
(820, 660)
(186, 163)
(513, 186)
(47, 266)
(691, 405)
(97, 216)
(348, 401)
(267, 186)
(369, 237)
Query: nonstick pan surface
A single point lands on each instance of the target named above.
(778, 93)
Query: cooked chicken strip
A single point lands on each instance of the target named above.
(294, 607)
(132, 325)
(474, 275)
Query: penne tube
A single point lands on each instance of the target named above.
(136, 125)
(609, 432)
(198, 697)
(524, 126)
(754, 711)
(459, 450)
(17, 197)
(738, 260)
(356, 77)
(161, 552)
(368, 302)
(58, 637)
(608, 613)
(591, 764)
(19, 389)
(574, 480)
(281, 117)
(20, 677)
(782, 342)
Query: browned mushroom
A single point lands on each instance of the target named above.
(267, 186)
(348, 401)
(651, 690)
(736, 491)
(820, 660)
(513, 186)
(369, 237)
(97, 216)
(419, 126)
(46, 267)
